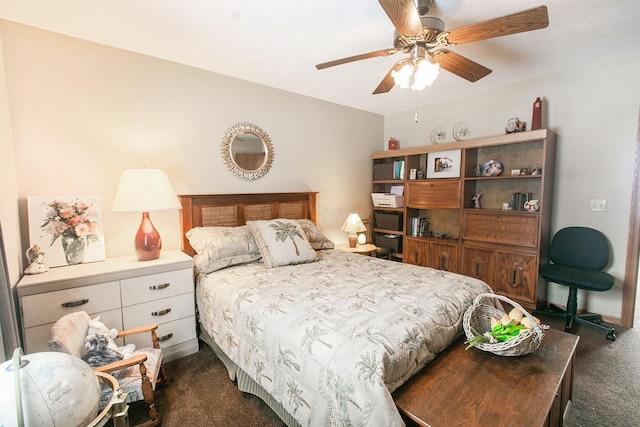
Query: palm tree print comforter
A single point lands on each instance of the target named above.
(331, 340)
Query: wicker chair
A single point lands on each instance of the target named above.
(137, 375)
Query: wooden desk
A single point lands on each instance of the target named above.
(477, 388)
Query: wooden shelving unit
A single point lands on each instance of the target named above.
(502, 247)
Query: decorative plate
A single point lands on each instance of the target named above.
(492, 168)
(438, 135)
(460, 131)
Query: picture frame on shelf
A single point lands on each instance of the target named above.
(444, 164)
(68, 228)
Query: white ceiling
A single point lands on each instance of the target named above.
(278, 43)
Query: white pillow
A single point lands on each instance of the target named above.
(316, 237)
(220, 247)
(282, 242)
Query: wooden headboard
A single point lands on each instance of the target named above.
(232, 210)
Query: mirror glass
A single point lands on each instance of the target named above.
(247, 151)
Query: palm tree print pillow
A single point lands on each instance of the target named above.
(220, 247)
(316, 237)
(282, 242)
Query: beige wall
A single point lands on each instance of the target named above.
(594, 110)
(81, 112)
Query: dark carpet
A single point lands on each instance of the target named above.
(606, 387)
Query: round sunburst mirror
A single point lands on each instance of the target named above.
(247, 150)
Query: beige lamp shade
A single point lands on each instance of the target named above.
(145, 190)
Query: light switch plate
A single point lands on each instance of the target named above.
(598, 205)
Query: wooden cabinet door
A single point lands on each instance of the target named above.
(444, 256)
(416, 252)
(517, 277)
(479, 263)
(507, 228)
(433, 194)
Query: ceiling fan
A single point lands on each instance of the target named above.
(424, 38)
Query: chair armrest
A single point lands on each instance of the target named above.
(121, 364)
(142, 329)
(138, 330)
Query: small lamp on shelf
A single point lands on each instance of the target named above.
(145, 190)
(353, 225)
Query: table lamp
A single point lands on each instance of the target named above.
(145, 190)
(353, 225)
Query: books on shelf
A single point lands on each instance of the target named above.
(419, 226)
(398, 169)
(519, 199)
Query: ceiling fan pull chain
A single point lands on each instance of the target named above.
(415, 116)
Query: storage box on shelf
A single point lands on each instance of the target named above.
(393, 242)
(124, 292)
(502, 247)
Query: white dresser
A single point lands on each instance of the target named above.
(123, 291)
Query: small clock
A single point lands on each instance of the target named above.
(438, 135)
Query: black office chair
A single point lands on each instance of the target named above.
(578, 255)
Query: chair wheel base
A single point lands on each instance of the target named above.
(587, 319)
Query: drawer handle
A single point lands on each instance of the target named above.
(158, 287)
(75, 303)
(516, 268)
(165, 337)
(161, 312)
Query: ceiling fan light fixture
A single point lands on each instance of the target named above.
(425, 74)
(402, 77)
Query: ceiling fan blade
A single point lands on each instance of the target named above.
(461, 66)
(387, 82)
(404, 16)
(384, 52)
(528, 20)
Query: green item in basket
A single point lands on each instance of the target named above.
(499, 333)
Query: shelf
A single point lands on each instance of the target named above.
(502, 211)
(501, 177)
(446, 239)
(387, 231)
(386, 208)
(389, 181)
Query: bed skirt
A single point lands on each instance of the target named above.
(246, 384)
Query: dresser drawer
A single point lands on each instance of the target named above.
(170, 333)
(36, 339)
(434, 195)
(48, 307)
(509, 229)
(155, 286)
(158, 311)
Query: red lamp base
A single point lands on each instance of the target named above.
(148, 242)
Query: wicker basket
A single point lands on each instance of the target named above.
(478, 317)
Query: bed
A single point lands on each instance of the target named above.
(323, 339)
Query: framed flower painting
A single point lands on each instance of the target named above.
(67, 228)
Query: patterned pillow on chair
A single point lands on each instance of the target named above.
(69, 332)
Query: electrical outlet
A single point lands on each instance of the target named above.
(598, 205)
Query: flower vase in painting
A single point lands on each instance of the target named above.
(75, 222)
(73, 247)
